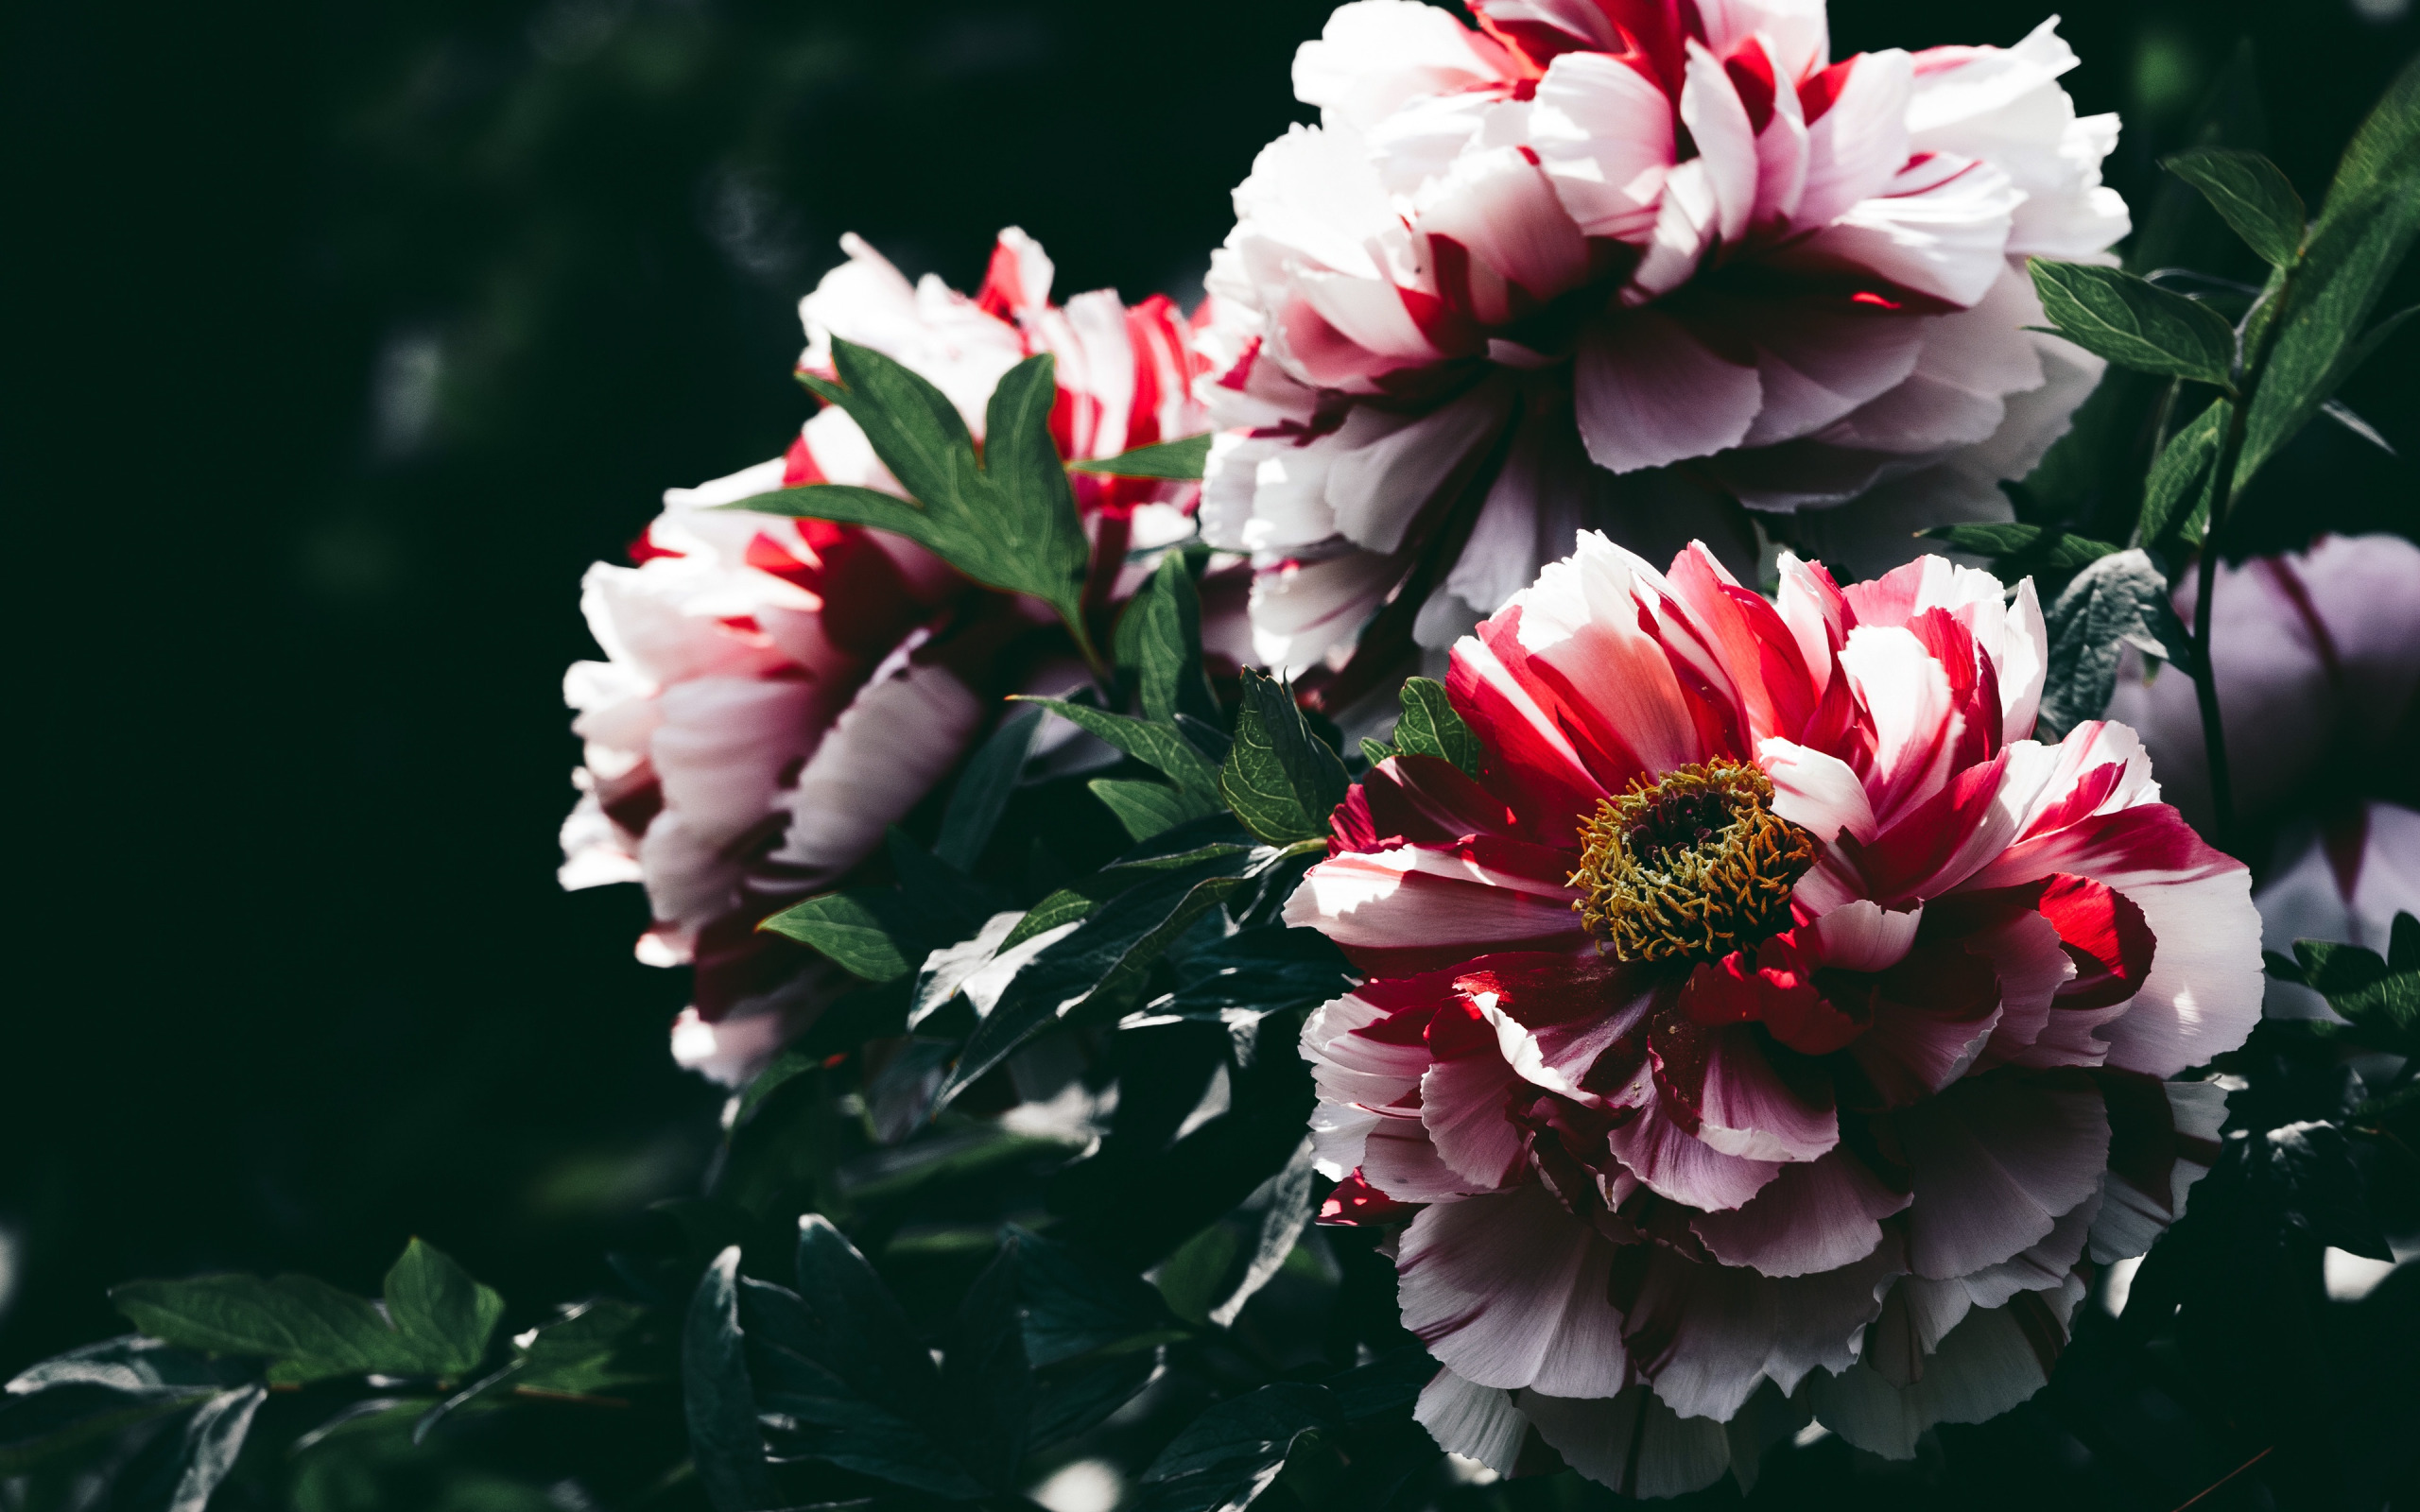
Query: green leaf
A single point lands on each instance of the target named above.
(2306, 1169)
(871, 932)
(307, 1329)
(1082, 1396)
(434, 1303)
(2385, 149)
(1194, 1278)
(1096, 967)
(1154, 744)
(2353, 253)
(954, 904)
(983, 788)
(2135, 323)
(1429, 727)
(598, 1347)
(1391, 1382)
(1148, 808)
(214, 1435)
(1079, 1304)
(987, 1383)
(1181, 458)
(2119, 600)
(1008, 520)
(2040, 547)
(1285, 1205)
(1270, 968)
(2380, 998)
(1374, 751)
(70, 1402)
(1232, 1453)
(725, 1444)
(2250, 195)
(841, 1378)
(1064, 907)
(1281, 781)
(2176, 493)
(1159, 636)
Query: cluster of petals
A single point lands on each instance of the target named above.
(2318, 658)
(776, 691)
(1631, 264)
(1858, 1168)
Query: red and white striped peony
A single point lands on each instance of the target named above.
(777, 692)
(1772, 1025)
(1520, 271)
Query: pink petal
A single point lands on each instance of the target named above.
(1632, 1442)
(1854, 147)
(1746, 1110)
(1932, 1015)
(1988, 1363)
(1677, 1165)
(1423, 798)
(1707, 1335)
(1533, 764)
(1477, 1423)
(1604, 135)
(1939, 228)
(1817, 1216)
(1718, 122)
(1580, 633)
(2159, 1145)
(1819, 363)
(1816, 792)
(1996, 1160)
(1417, 908)
(1648, 392)
(1864, 935)
(1462, 1105)
(1402, 1161)
(1518, 246)
(1508, 1290)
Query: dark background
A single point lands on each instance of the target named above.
(340, 338)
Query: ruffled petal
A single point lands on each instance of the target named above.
(1509, 1290)
(1632, 1442)
(1995, 1160)
(1817, 1216)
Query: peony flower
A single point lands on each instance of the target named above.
(1771, 1025)
(2318, 656)
(777, 692)
(1631, 264)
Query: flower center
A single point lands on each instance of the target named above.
(1691, 867)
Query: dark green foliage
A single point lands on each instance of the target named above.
(718, 1399)
(1281, 780)
(1006, 519)
(2135, 323)
(436, 1321)
(2117, 600)
(1181, 458)
(1428, 727)
(2250, 195)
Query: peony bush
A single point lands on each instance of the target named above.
(1790, 1024)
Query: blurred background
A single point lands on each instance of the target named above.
(342, 337)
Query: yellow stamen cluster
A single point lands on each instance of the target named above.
(1692, 867)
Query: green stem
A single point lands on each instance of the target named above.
(2206, 666)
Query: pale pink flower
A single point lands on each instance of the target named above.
(1771, 1018)
(2318, 655)
(1631, 264)
(777, 692)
